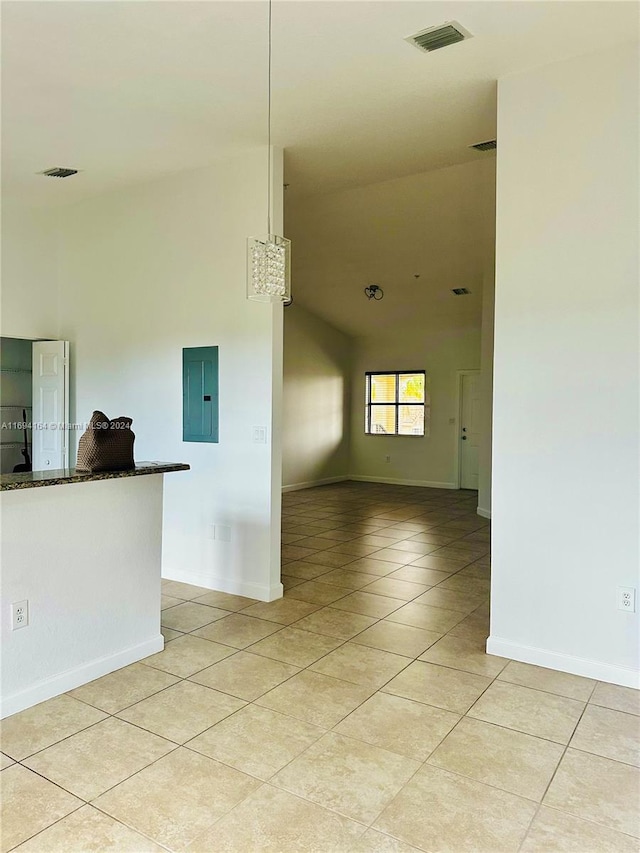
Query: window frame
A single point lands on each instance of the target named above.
(396, 403)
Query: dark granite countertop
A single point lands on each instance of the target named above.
(34, 479)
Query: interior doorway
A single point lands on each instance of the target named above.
(468, 439)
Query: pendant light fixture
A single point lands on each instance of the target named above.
(269, 256)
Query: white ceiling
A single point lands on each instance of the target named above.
(129, 91)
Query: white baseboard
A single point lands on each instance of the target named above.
(622, 675)
(295, 487)
(73, 678)
(393, 481)
(259, 591)
(483, 513)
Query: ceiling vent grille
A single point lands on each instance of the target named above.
(59, 172)
(490, 145)
(436, 37)
(461, 291)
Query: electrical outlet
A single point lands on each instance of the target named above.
(627, 599)
(387, 459)
(19, 615)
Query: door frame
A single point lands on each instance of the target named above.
(457, 470)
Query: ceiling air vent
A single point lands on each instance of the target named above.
(59, 172)
(436, 37)
(490, 145)
(461, 291)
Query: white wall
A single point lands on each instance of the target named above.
(565, 450)
(29, 299)
(145, 272)
(316, 412)
(86, 556)
(426, 460)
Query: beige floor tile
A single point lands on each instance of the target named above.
(451, 599)
(290, 583)
(376, 842)
(296, 647)
(88, 830)
(178, 797)
(548, 680)
(306, 571)
(169, 634)
(367, 604)
(29, 805)
(432, 538)
(124, 687)
(597, 789)
(423, 616)
(450, 814)
(394, 588)
(169, 601)
(187, 655)
(530, 711)
(557, 832)
(397, 638)
(89, 763)
(225, 600)
(440, 564)
(398, 556)
(5, 761)
(316, 543)
(284, 611)
(502, 758)
(410, 546)
(463, 583)
(617, 698)
(45, 724)
(353, 778)
(440, 686)
(237, 630)
(318, 592)
(245, 675)
(299, 697)
(185, 591)
(378, 568)
(478, 569)
(190, 615)
(325, 558)
(361, 665)
(399, 725)
(257, 741)
(611, 734)
(274, 821)
(335, 623)
(469, 655)
(414, 574)
(473, 627)
(348, 580)
(355, 547)
(295, 552)
(181, 712)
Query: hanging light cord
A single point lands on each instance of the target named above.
(269, 131)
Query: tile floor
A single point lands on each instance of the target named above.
(359, 713)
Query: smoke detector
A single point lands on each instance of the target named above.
(490, 145)
(59, 172)
(443, 35)
(461, 291)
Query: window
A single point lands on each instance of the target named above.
(396, 403)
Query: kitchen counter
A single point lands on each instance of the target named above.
(35, 479)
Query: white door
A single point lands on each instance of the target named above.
(469, 429)
(50, 405)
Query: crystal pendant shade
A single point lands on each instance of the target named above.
(269, 268)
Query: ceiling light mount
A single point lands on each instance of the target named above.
(374, 291)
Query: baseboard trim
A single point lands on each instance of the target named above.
(622, 675)
(394, 481)
(248, 589)
(296, 487)
(483, 513)
(72, 678)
